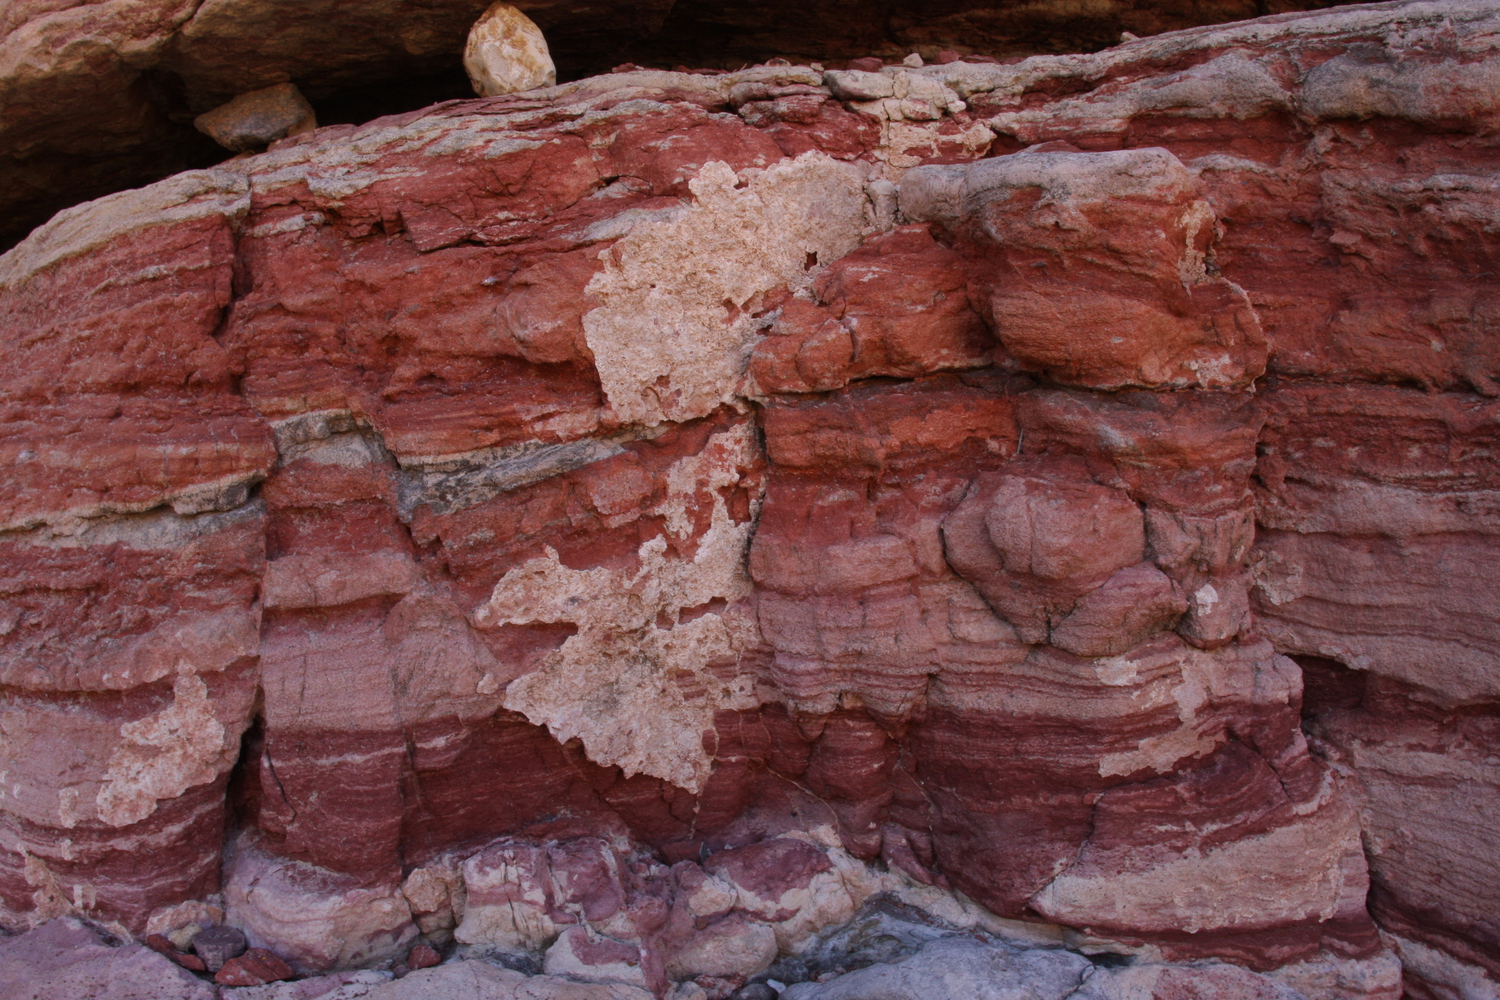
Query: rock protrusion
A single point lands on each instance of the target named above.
(1060, 558)
(66, 959)
(1099, 269)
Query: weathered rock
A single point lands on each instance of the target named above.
(259, 118)
(1209, 981)
(99, 97)
(896, 306)
(65, 959)
(957, 967)
(162, 945)
(506, 53)
(481, 979)
(423, 956)
(335, 986)
(314, 918)
(1101, 271)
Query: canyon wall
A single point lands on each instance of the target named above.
(646, 517)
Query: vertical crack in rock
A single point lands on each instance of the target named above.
(680, 299)
(637, 682)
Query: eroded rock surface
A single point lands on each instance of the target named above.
(98, 96)
(65, 958)
(629, 524)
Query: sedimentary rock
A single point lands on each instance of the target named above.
(955, 968)
(259, 118)
(256, 967)
(627, 526)
(66, 958)
(97, 97)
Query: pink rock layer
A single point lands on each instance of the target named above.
(990, 472)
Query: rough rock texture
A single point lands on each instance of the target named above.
(66, 959)
(99, 95)
(506, 52)
(255, 120)
(625, 526)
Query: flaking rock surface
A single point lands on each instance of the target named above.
(639, 521)
(100, 95)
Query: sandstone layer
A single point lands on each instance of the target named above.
(634, 522)
(100, 95)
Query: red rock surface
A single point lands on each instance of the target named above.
(256, 967)
(630, 521)
(100, 95)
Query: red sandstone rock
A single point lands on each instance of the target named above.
(531, 493)
(100, 96)
(255, 967)
(1098, 266)
(162, 945)
(896, 306)
(423, 956)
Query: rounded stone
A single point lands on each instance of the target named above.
(506, 53)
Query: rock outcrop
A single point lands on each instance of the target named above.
(101, 95)
(628, 525)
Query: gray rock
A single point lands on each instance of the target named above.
(476, 979)
(217, 945)
(959, 968)
(1204, 979)
(336, 986)
(885, 930)
(65, 959)
(755, 991)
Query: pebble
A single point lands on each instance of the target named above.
(217, 945)
(423, 956)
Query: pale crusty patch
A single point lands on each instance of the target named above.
(671, 334)
(164, 754)
(634, 683)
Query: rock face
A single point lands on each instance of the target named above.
(64, 959)
(101, 95)
(627, 525)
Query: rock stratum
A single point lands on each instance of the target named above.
(100, 95)
(641, 522)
